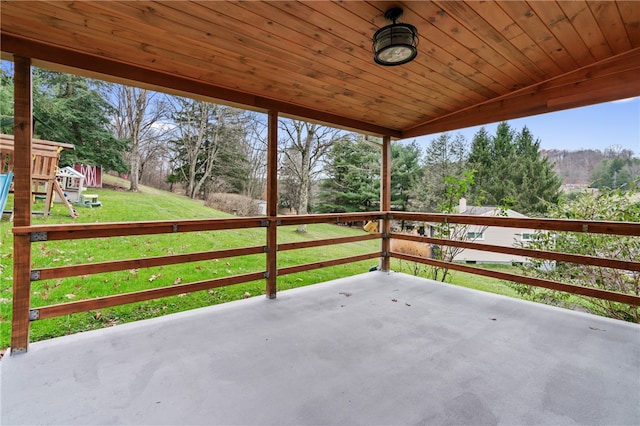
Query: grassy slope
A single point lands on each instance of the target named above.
(152, 204)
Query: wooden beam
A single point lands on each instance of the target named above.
(272, 205)
(147, 262)
(22, 204)
(608, 80)
(327, 242)
(120, 229)
(69, 61)
(142, 295)
(326, 263)
(336, 218)
(517, 251)
(385, 202)
(569, 225)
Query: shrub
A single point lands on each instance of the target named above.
(236, 204)
(412, 248)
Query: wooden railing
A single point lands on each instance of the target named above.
(556, 225)
(37, 234)
(43, 233)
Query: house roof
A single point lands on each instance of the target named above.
(69, 172)
(489, 211)
(478, 62)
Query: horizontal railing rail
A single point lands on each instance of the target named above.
(139, 296)
(327, 242)
(337, 218)
(626, 265)
(147, 262)
(125, 229)
(571, 225)
(326, 263)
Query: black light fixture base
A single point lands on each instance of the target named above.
(393, 14)
(395, 44)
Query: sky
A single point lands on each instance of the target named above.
(594, 127)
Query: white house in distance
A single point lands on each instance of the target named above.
(509, 237)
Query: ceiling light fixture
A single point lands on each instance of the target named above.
(395, 44)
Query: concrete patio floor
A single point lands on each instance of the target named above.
(378, 348)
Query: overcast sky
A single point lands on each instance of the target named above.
(594, 127)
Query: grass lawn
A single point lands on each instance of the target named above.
(477, 282)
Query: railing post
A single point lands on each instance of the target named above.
(385, 202)
(272, 205)
(22, 131)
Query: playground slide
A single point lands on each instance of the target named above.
(5, 184)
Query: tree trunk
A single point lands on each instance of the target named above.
(134, 176)
(305, 179)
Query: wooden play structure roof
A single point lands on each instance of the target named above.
(478, 62)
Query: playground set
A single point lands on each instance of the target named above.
(48, 181)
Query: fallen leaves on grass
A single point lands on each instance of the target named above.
(177, 281)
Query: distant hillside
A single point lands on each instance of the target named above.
(574, 167)
(577, 167)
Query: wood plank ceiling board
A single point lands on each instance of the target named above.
(478, 62)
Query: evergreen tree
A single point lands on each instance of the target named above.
(510, 172)
(70, 109)
(445, 157)
(352, 182)
(6, 99)
(480, 160)
(616, 173)
(405, 173)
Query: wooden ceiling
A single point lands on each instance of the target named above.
(478, 62)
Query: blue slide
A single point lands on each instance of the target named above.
(5, 184)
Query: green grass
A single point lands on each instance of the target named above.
(463, 279)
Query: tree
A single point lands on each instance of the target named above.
(481, 160)
(510, 171)
(618, 170)
(455, 189)
(70, 109)
(537, 186)
(6, 98)
(206, 145)
(255, 151)
(607, 205)
(405, 174)
(352, 182)
(136, 113)
(304, 148)
(444, 158)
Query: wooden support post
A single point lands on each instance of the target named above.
(22, 131)
(272, 205)
(385, 202)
